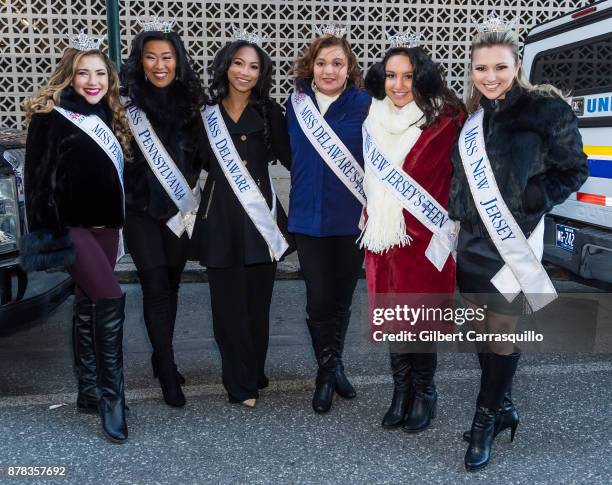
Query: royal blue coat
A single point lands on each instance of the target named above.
(319, 203)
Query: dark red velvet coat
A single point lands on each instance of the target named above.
(406, 269)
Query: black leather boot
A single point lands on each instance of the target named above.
(498, 372)
(343, 387)
(84, 356)
(505, 417)
(323, 336)
(402, 383)
(108, 317)
(158, 320)
(423, 407)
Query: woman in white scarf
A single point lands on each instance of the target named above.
(414, 120)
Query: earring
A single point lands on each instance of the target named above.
(472, 91)
(146, 78)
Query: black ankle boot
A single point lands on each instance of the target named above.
(323, 336)
(506, 416)
(84, 356)
(108, 317)
(401, 369)
(168, 379)
(497, 374)
(343, 387)
(424, 399)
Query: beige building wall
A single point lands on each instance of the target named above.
(32, 34)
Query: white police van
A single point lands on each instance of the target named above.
(574, 53)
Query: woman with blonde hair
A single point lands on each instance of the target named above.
(533, 160)
(74, 201)
(325, 115)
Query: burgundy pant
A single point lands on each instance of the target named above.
(94, 268)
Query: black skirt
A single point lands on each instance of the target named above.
(477, 262)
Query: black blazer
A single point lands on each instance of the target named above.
(224, 235)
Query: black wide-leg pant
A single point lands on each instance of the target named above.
(331, 267)
(240, 298)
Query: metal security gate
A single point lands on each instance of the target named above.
(32, 33)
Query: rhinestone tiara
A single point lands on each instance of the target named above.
(331, 29)
(84, 42)
(494, 23)
(252, 37)
(157, 24)
(404, 39)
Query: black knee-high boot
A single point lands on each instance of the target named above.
(174, 279)
(498, 372)
(423, 406)
(157, 316)
(343, 386)
(108, 318)
(323, 336)
(84, 355)
(506, 415)
(402, 383)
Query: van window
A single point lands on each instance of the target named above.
(580, 68)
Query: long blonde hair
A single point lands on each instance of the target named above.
(47, 97)
(508, 39)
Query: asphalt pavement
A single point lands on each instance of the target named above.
(564, 402)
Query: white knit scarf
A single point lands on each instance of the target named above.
(395, 130)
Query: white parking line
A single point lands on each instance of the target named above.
(308, 384)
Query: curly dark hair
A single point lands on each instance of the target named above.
(260, 94)
(428, 84)
(186, 81)
(304, 65)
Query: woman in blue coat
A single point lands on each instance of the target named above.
(325, 117)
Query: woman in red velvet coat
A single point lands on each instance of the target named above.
(414, 120)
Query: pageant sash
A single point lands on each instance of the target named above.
(415, 199)
(241, 182)
(523, 270)
(186, 199)
(99, 132)
(328, 145)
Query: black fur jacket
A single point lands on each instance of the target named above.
(69, 182)
(181, 130)
(535, 150)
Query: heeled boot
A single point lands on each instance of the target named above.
(425, 397)
(323, 336)
(506, 417)
(84, 356)
(498, 372)
(173, 310)
(158, 321)
(402, 384)
(108, 318)
(343, 387)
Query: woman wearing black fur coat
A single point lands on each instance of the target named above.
(164, 99)
(534, 153)
(74, 205)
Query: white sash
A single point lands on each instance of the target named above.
(242, 183)
(99, 132)
(186, 199)
(523, 270)
(415, 199)
(328, 145)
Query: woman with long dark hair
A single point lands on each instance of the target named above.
(163, 98)
(325, 115)
(74, 204)
(413, 122)
(237, 235)
(523, 141)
